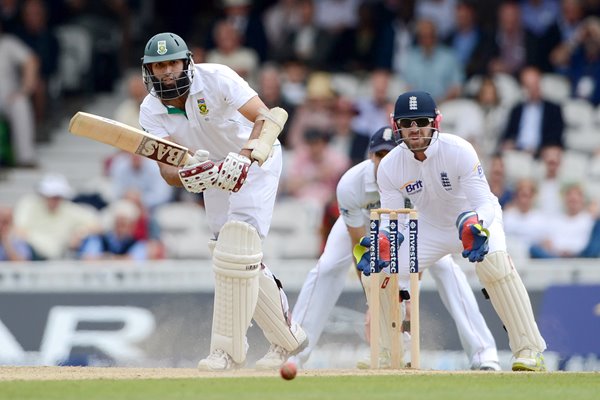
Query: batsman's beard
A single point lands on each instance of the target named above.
(170, 91)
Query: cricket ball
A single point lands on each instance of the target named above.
(288, 371)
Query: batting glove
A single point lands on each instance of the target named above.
(233, 172)
(474, 237)
(199, 173)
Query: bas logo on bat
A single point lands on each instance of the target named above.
(160, 152)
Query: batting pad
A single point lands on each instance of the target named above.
(511, 301)
(236, 263)
(271, 314)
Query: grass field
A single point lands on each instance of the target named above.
(348, 385)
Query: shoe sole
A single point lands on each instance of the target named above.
(528, 368)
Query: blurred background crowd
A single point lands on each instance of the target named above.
(519, 79)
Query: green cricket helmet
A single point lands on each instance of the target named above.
(162, 47)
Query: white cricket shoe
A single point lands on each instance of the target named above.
(277, 355)
(218, 360)
(385, 360)
(385, 355)
(488, 366)
(529, 360)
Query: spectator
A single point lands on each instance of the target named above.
(583, 61)
(374, 108)
(431, 66)
(19, 75)
(395, 35)
(52, 224)
(568, 232)
(294, 81)
(495, 114)
(280, 17)
(535, 122)
(521, 212)
(307, 42)
(229, 51)
(471, 44)
(130, 171)
(248, 22)
(542, 33)
(316, 112)
(35, 32)
(12, 247)
(550, 184)
(118, 241)
(569, 24)
(510, 46)
(345, 139)
(128, 112)
(270, 91)
(314, 169)
(496, 177)
(442, 13)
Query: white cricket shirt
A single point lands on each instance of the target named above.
(450, 181)
(211, 120)
(357, 193)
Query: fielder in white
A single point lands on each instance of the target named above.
(442, 176)
(357, 193)
(236, 165)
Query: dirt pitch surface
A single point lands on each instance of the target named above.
(83, 373)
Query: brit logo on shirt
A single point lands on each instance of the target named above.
(446, 181)
(202, 106)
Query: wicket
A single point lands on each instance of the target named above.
(376, 284)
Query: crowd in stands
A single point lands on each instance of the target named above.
(519, 79)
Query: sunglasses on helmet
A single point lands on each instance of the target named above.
(407, 123)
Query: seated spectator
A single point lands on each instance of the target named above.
(18, 81)
(35, 32)
(583, 61)
(522, 220)
(53, 225)
(128, 111)
(496, 176)
(432, 66)
(118, 241)
(495, 114)
(229, 51)
(12, 247)
(568, 232)
(569, 24)
(316, 112)
(314, 169)
(130, 171)
(550, 185)
(535, 122)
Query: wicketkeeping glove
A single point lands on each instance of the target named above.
(199, 173)
(473, 235)
(361, 252)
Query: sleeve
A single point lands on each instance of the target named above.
(18, 50)
(151, 124)
(350, 210)
(236, 91)
(475, 185)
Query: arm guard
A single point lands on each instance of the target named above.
(274, 120)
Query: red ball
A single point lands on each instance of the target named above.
(288, 371)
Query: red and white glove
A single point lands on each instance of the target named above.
(233, 172)
(199, 173)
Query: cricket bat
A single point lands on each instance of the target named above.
(128, 138)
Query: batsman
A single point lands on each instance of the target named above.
(442, 176)
(236, 166)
